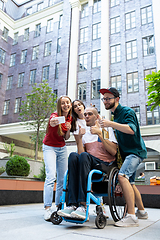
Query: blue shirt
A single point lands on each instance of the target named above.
(129, 144)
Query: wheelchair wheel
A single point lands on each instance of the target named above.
(100, 221)
(117, 204)
(55, 218)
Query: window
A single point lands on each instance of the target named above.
(2, 55)
(6, 107)
(82, 91)
(137, 111)
(58, 45)
(153, 117)
(133, 84)
(115, 25)
(50, 25)
(39, 6)
(1, 5)
(1, 76)
(32, 79)
(20, 80)
(147, 72)
(17, 105)
(51, 2)
(84, 35)
(15, 39)
(57, 71)
(83, 62)
(130, 20)
(12, 60)
(45, 73)
(131, 48)
(5, 33)
(24, 56)
(96, 32)
(29, 11)
(9, 82)
(60, 21)
(96, 58)
(26, 34)
(146, 15)
(84, 10)
(95, 86)
(148, 45)
(114, 3)
(47, 50)
(116, 53)
(117, 83)
(55, 92)
(38, 30)
(35, 52)
(97, 6)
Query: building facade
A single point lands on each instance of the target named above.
(79, 46)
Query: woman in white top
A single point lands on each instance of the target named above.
(77, 117)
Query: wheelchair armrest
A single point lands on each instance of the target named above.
(104, 168)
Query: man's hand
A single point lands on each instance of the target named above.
(96, 128)
(104, 123)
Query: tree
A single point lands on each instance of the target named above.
(38, 106)
(153, 89)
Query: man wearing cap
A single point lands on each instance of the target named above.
(132, 149)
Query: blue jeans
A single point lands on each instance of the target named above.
(129, 167)
(79, 166)
(55, 159)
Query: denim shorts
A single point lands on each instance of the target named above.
(130, 166)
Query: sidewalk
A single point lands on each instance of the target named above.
(25, 222)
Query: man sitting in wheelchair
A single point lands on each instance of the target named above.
(93, 149)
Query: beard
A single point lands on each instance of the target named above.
(110, 106)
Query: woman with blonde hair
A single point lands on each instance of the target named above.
(55, 152)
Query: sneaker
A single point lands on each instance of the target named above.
(127, 221)
(67, 211)
(79, 213)
(141, 215)
(47, 214)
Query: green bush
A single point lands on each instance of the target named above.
(17, 166)
(2, 170)
(42, 174)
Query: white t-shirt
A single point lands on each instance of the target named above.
(80, 122)
(95, 147)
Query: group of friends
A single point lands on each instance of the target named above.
(92, 149)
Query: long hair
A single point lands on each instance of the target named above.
(75, 115)
(59, 112)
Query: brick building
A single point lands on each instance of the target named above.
(79, 46)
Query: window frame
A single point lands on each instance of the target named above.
(81, 96)
(133, 78)
(96, 90)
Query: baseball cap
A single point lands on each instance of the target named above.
(110, 90)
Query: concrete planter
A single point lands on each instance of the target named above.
(35, 167)
(20, 190)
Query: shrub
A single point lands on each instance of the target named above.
(2, 170)
(17, 166)
(42, 174)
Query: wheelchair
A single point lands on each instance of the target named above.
(102, 182)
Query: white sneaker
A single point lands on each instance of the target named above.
(66, 212)
(79, 213)
(127, 221)
(47, 214)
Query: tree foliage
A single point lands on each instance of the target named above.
(153, 89)
(38, 106)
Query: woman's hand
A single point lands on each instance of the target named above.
(54, 122)
(68, 126)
